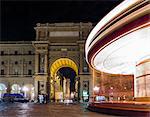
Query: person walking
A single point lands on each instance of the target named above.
(41, 98)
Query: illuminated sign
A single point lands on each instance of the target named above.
(85, 93)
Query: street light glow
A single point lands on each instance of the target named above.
(25, 89)
(96, 88)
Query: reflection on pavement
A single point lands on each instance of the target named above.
(46, 110)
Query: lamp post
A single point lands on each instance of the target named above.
(25, 89)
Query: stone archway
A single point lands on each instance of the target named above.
(28, 91)
(3, 89)
(63, 62)
(15, 88)
(55, 67)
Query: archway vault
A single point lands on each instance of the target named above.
(63, 62)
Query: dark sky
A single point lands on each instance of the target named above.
(19, 17)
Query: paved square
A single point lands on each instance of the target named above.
(46, 110)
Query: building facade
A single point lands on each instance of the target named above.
(17, 64)
(33, 66)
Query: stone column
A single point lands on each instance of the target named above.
(81, 58)
(48, 87)
(46, 63)
(45, 87)
(64, 87)
(36, 89)
(68, 87)
(76, 88)
(81, 62)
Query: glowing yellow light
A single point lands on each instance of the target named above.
(25, 89)
(96, 88)
(63, 62)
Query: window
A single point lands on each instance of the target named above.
(85, 69)
(2, 71)
(16, 62)
(29, 52)
(30, 62)
(85, 66)
(29, 72)
(2, 52)
(48, 34)
(42, 34)
(39, 48)
(16, 52)
(2, 62)
(16, 72)
(42, 70)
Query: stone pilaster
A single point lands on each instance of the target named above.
(36, 62)
(81, 55)
(46, 64)
(36, 89)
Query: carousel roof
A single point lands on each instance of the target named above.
(121, 39)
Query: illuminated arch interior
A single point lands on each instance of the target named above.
(63, 62)
(15, 88)
(30, 86)
(2, 87)
(28, 90)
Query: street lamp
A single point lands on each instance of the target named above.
(25, 89)
(96, 89)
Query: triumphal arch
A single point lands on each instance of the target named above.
(61, 70)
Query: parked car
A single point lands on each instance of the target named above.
(8, 98)
(14, 98)
(20, 98)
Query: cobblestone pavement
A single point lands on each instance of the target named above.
(46, 110)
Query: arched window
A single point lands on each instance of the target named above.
(2, 89)
(15, 88)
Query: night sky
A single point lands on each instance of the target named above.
(19, 17)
